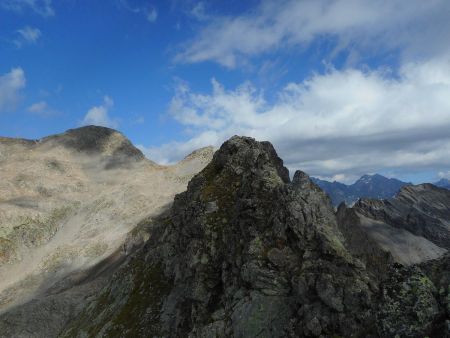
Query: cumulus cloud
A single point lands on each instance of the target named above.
(99, 116)
(28, 35)
(417, 27)
(344, 122)
(11, 85)
(42, 7)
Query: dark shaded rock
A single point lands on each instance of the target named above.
(438, 271)
(360, 244)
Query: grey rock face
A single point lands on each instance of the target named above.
(361, 244)
(242, 253)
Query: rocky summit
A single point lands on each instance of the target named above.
(247, 252)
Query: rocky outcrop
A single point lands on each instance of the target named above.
(242, 253)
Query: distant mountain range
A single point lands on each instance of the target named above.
(368, 186)
(443, 183)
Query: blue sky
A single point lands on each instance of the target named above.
(341, 88)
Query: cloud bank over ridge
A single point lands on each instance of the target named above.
(344, 121)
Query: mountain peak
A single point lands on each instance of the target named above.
(242, 153)
(95, 140)
(201, 153)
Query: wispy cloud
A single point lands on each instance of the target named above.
(198, 11)
(147, 10)
(99, 115)
(42, 109)
(11, 85)
(343, 122)
(27, 35)
(411, 26)
(43, 8)
(152, 15)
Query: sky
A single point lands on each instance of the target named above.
(341, 88)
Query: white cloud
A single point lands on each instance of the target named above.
(198, 11)
(42, 109)
(28, 35)
(444, 174)
(99, 116)
(152, 15)
(11, 85)
(38, 107)
(41, 7)
(344, 121)
(411, 26)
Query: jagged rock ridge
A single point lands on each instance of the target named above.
(242, 253)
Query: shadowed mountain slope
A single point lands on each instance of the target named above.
(413, 227)
(71, 207)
